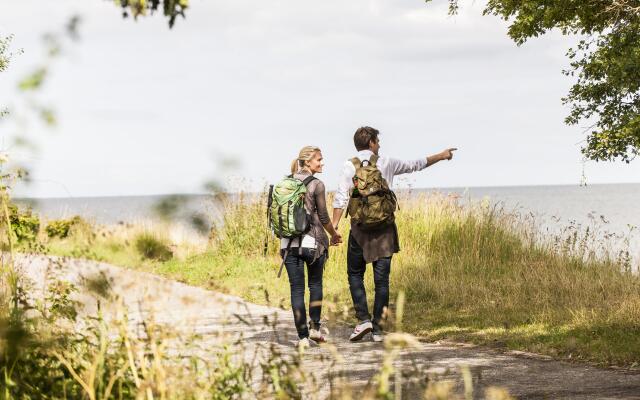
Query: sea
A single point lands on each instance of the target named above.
(610, 210)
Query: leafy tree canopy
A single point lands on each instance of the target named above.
(4, 56)
(605, 63)
(169, 8)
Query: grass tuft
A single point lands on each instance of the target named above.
(152, 247)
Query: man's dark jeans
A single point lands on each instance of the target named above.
(356, 267)
(294, 263)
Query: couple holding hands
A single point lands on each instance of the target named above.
(364, 189)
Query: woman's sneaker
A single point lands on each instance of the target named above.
(361, 330)
(305, 343)
(378, 337)
(317, 336)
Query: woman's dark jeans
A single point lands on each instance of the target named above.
(356, 267)
(294, 263)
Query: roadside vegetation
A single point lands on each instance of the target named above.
(49, 349)
(474, 273)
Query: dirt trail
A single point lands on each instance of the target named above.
(216, 315)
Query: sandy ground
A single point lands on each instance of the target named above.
(220, 317)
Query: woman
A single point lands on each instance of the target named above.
(312, 250)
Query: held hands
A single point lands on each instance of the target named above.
(335, 239)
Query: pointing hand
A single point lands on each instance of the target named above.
(448, 153)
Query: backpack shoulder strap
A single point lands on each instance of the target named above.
(356, 162)
(308, 180)
(373, 160)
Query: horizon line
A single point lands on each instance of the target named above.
(256, 192)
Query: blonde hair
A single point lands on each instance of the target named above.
(306, 154)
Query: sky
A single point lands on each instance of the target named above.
(143, 109)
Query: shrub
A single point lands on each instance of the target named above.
(152, 247)
(24, 224)
(60, 228)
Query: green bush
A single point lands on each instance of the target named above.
(60, 228)
(152, 247)
(24, 224)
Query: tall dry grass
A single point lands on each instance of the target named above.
(473, 272)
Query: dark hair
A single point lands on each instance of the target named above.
(363, 136)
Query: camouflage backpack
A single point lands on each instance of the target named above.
(372, 204)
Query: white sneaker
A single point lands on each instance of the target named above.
(378, 337)
(303, 343)
(317, 336)
(360, 331)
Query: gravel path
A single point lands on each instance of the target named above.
(220, 317)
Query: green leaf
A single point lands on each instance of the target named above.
(34, 80)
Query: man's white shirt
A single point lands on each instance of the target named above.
(389, 167)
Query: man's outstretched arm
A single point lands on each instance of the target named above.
(400, 167)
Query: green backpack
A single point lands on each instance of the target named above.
(286, 214)
(372, 204)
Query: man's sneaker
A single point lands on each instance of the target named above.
(361, 330)
(317, 336)
(378, 337)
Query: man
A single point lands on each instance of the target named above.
(373, 246)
